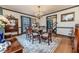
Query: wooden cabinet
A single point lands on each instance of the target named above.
(15, 46)
(76, 41)
(12, 29)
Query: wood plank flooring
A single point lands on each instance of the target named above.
(65, 46)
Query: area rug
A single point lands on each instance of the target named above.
(35, 47)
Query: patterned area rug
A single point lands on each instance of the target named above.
(43, 47)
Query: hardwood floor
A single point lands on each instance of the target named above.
(65, 46)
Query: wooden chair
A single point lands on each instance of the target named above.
(34, 36)
(47, 36)
(29, 32)
(37, 35)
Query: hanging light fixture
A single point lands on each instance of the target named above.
(38, 15)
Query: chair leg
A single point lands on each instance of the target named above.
(30, 37)
(32, 40)
(48, 42)
(26, 36)
(39, 38)
(51, 40)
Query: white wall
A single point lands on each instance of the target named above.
(63, 24)
(17, 15)
(42, 21)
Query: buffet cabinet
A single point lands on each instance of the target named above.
(12, 29)
(76, 41)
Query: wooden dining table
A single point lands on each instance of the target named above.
(47, 36)
(37, 32)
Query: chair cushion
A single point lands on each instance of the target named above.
(35, 33)
(45, 35)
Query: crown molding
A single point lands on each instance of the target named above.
(41, 15)
(18, 12)
(61, 10)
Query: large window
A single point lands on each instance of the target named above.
(25, 22)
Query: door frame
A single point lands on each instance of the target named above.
(22, 22)
(47, 20)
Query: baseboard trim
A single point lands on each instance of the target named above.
(63, 35)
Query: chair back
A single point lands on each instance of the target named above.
(30, 30)
(49, 33)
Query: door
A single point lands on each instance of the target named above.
(49, 23)
(25, 22)
(52, 22)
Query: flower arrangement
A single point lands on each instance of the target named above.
(2, 24)
(3, 21)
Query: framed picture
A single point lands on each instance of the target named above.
(67, 17)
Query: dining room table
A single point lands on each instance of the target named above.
(37, 32)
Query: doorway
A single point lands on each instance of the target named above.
(51, 22)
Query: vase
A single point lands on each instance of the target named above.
(1, 37)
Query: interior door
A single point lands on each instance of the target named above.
(25, 22)
(51, 22)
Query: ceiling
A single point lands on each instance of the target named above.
(33, 9)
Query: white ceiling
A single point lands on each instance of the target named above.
(33, 9)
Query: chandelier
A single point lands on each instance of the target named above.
(39, 11)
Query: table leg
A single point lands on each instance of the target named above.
(48, 42)
(39, 38)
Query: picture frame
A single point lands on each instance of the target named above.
(67, 17)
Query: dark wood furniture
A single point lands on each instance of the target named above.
(47, 36)
(33, 34)
(76, 40)
(12, 29)
(15, 46)
(29, 33)
(37, 34)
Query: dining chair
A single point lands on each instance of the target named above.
(47, 36)
(37, 35)
(34, 36)
(29, 32)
